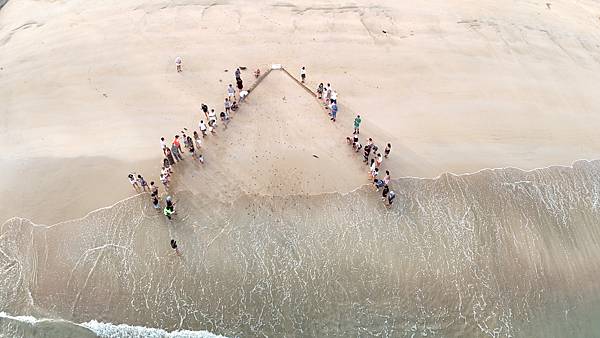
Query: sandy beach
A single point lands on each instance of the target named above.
(457, 88)
(89, 88)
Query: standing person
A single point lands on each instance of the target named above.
(177, 144)
(212, 119)
(333, 96)
(142, 182)
(379, 160)
(202, 127)
(303, 74)
(169, 202)
(227, 105)
(174, 246)
(391, 197)
(387, 150)
(185, 140)
(357, 121)
(191, 148)
(375, 173)
(327, 93)
(178, 63)
(204, 108)
(163, 144)
(197, 139)
(238, 75)
(153, 189)
(334, 110)
(367, 152)
(387, 178)
(175, 153)
(240, 85)
(224, 119)
(169, 155)
(168, 211)
(386, 190)
(133, 181)
(230, 92)
(155, 202)
(164, 181)
(320, 91)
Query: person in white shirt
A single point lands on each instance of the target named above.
(230, 92)
(178, 63)
(202, 127)
(163, 144)
(243, 95)
(333, 96)
(212, 120)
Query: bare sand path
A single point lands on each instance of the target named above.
(280, 142)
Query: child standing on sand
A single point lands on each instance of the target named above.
(163, 144)
(386, 178)
(379, 160)
(227, 105)
(197, 139)
(320, 91)
(303, 74)
(142, 182)
(133, 181)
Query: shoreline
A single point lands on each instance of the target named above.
(395, 180)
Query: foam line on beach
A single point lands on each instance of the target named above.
(101, 329)
(359, 187)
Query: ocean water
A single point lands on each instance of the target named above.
(500, 253)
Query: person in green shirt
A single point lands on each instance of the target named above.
(357, 122)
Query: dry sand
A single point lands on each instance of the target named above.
(88, 88)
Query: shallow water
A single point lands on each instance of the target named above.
(496, 253)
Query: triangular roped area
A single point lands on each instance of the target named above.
(280, 142)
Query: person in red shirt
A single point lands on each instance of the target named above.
(177, 144)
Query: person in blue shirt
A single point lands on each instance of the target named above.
(334, 110)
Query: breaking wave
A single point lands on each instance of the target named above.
(501, 253)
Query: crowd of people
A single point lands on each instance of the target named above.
(191, 143)
(372, 157)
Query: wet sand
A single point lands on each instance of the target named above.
(499, 252)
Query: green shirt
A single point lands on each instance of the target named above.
(357, 122)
